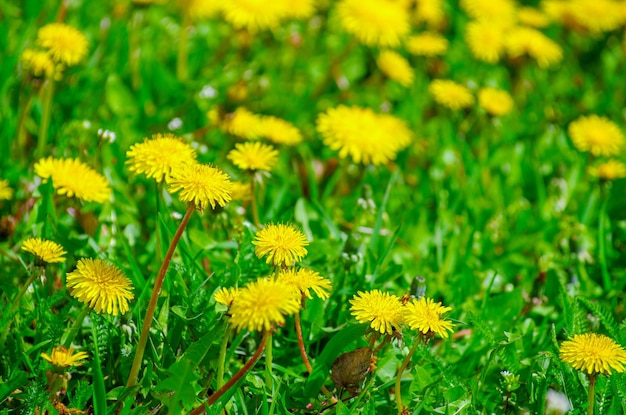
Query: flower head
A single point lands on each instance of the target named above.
(101, 285)
(396, 67)
(593, 353)
(73, 178)
(595, 15)
(200, 184)
(156, 157)
(262, 304)
(280, 131)
(243, 123)
(430, 12)
(495, 101)
(486, 40)
(226, 296)
(241, 191)
(425, 315)
(609, 170)
(304, 280)
(427, 44)
(65, 44)
(254, 14)
(6, 193)
(200, 9)
(450, 94)
(599, 135)
(374, 22)
(253, 156)
(383, 311)
(532, 17)
(283, 244)
(39, 63)
(45, 251)
(62, 357)
(300, 9)
(362, 134)
(490, 9)
(528, 41)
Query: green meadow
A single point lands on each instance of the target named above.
(312, 207)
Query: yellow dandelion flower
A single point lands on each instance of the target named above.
(243, 123)
(300, 9)
(241, 191)
(374, 22)
(73, 178)
(65, 44)
(283, 244)
(365, 136)
(532, 17)
(44, 250)
(450, 94)
(254, 14)
(101, 285)
(425, 315)
(427, 44)
(596, 15)
(557, 10)
(430, 12)
(6, 193)
(156, 157)
(396, 67)
(226, 296)
(279, 131)
(599, 135)
(593, 353)
(497, 10)
(263, 304)
(486, 40)
(201, 9)
(253, 156)
(200, 184)
(528, 41)
(39, 63)
(609, 170)
(304, 280)
(62, 357)
(383, 311)
(495, 101)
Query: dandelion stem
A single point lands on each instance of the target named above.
(183, 48)
(76, 327)
(221, 391)
(147, 322)
(592, 394)
(47, 92)
(269, 379)
(221, 361)
(21, 125)
(255, 205)
(405, 363)
(29, 281)
(305, 358)
(602, 218)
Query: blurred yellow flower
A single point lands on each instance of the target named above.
(427, 44)
(495, 101)
(486, 40)
(6, 193)
(595, 15)
(599, 135)
(450, 94)
(374, 22)
(280, 131)
(44, 250)
(201, 9)
(62, 357)
(593, 353)
(243, 123)
(241, 191)
(283, 244)
(609, 170)
(425, 315)
(253, 155)
(254, 14)
(532, 17)
(226, 296)
(73, 178)
(396, 67)
(304, 280)
(155, 157)
(430, 12)
(39, 63)
(101, 285)
(200, 184)
(300, 9)
(363, 135)
(263, 304)
(65, 44)
(383, 311)
(496, 10)
(528, 41)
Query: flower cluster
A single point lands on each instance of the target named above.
(73, 178)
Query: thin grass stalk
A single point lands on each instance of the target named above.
(76, 326)
(47, 93)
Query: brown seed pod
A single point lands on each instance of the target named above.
(350, 369)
